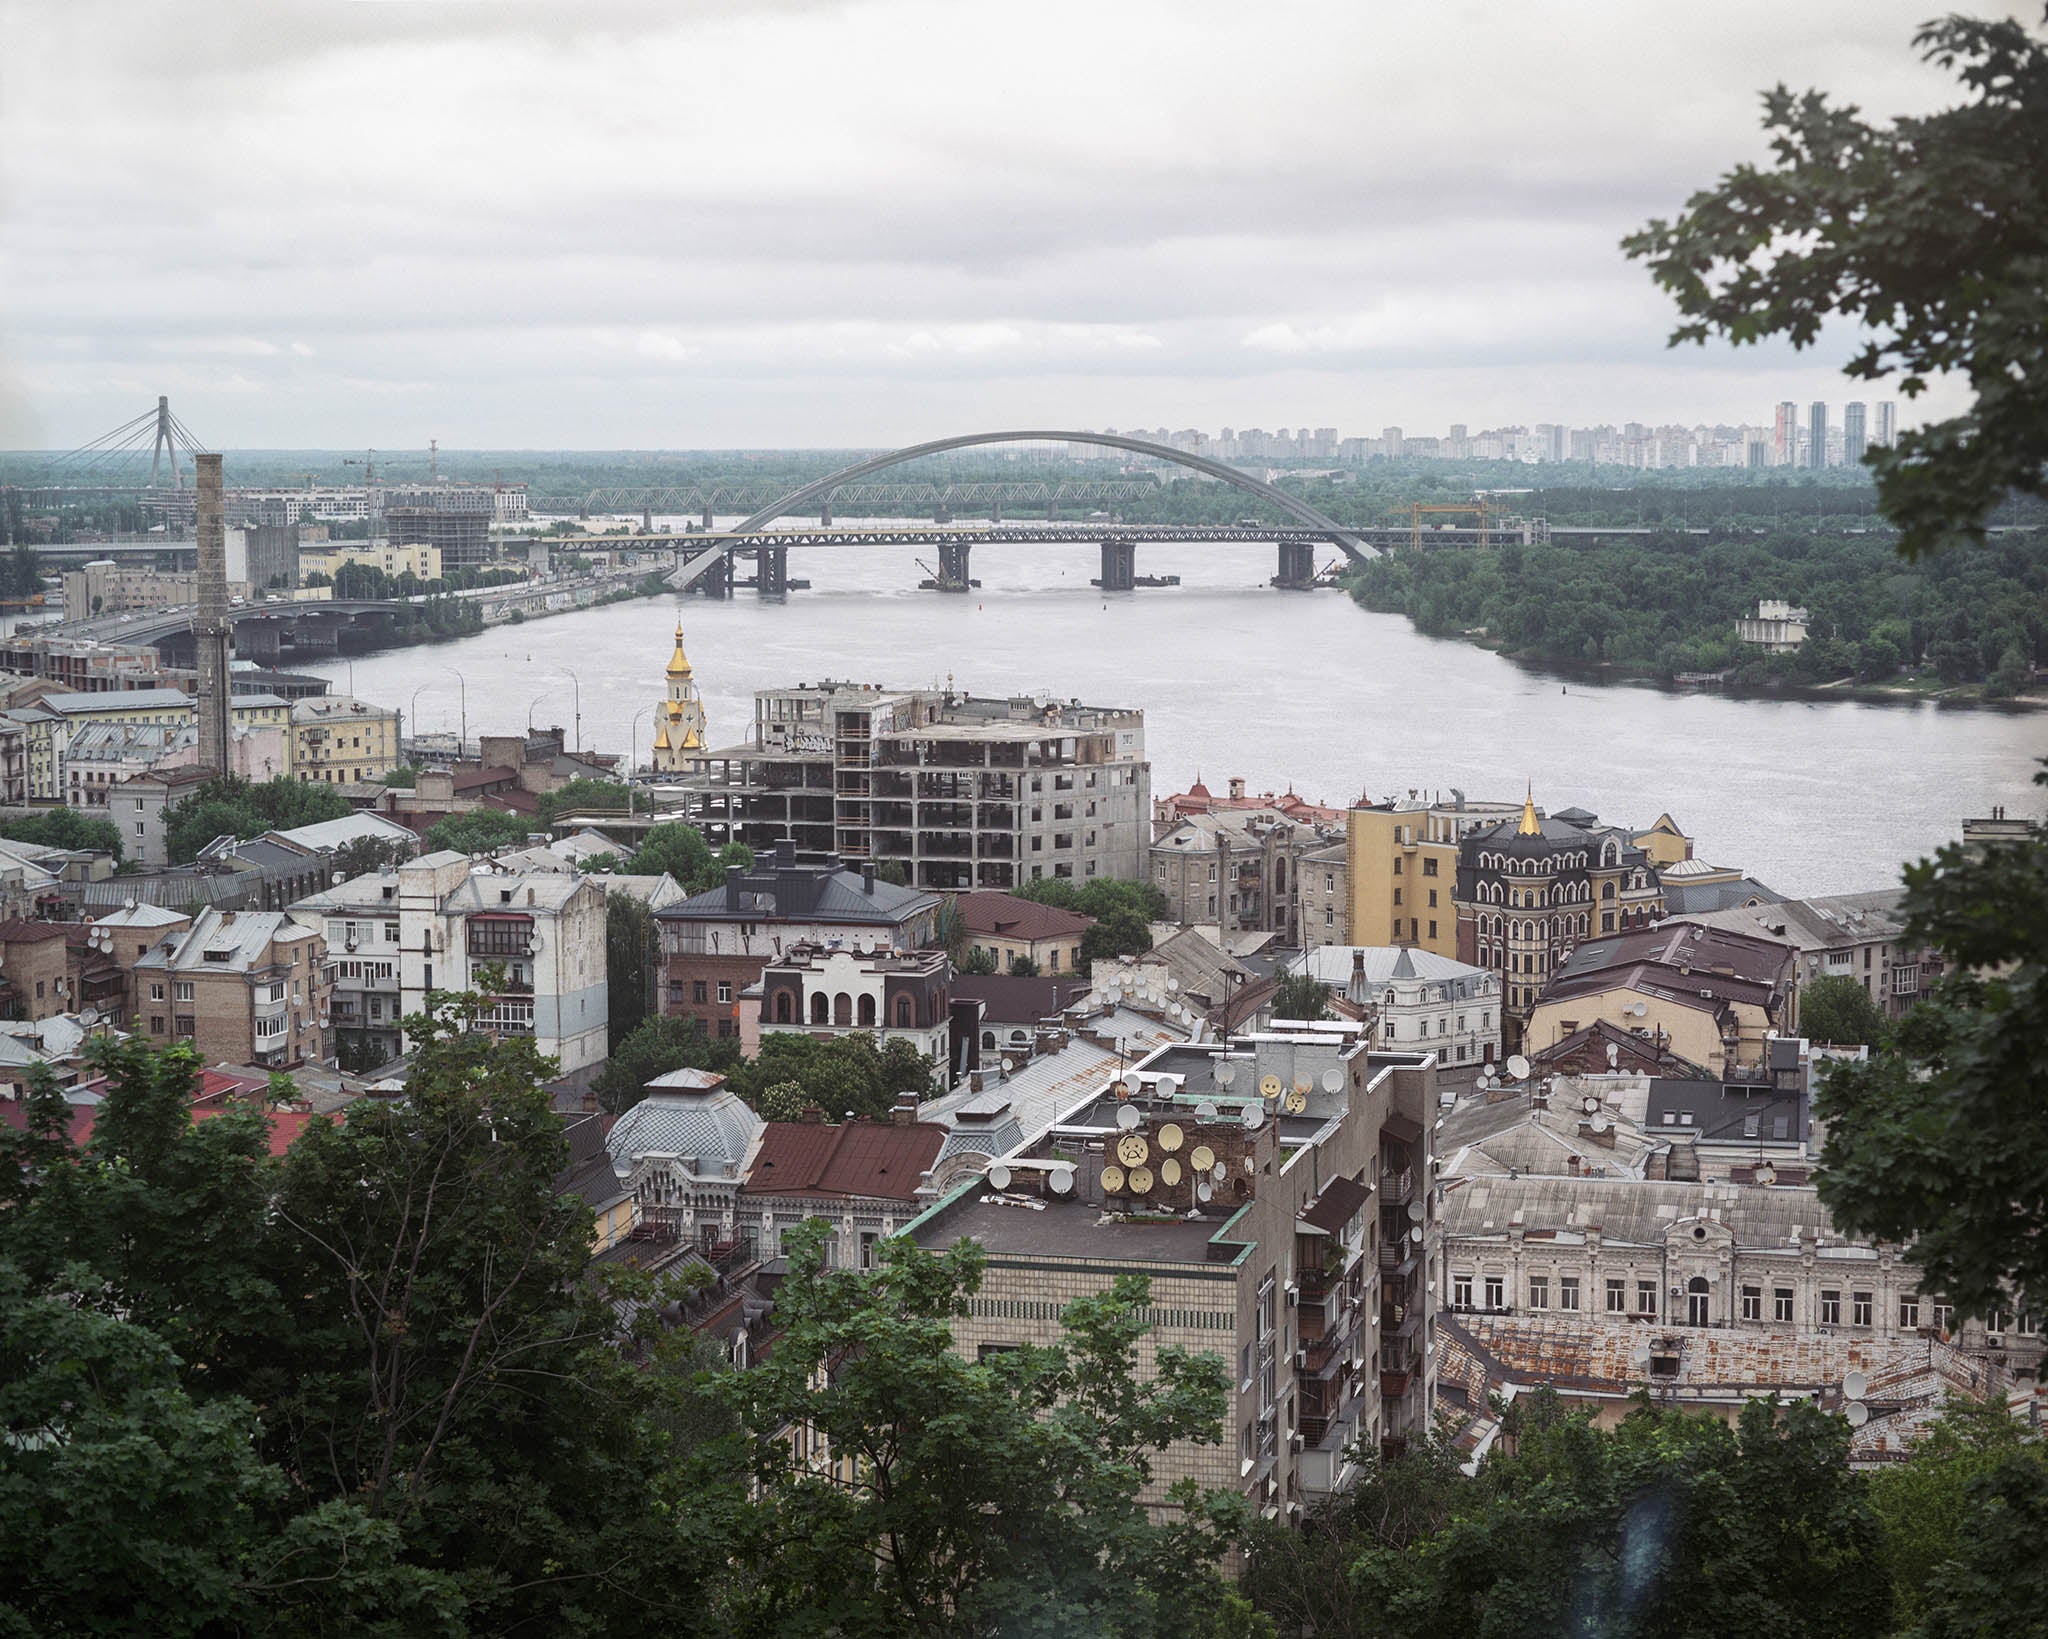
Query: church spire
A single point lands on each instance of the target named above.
(1531, 826)
(679, 663)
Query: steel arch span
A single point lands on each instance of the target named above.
(1296, 509)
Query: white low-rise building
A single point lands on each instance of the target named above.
(1425, 1002)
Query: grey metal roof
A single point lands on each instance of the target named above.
(801, 893)
(714, 1125)
(1638, 1211)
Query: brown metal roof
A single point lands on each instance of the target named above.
(880, 1159)
(1005, 916)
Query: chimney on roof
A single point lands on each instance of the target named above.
(867, 879)
(734, 875)
(812, 1115)
(1237, 787)
(904, 1113)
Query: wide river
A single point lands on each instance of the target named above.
(1298, 690)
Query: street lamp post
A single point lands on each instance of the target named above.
(536, 700)
(414, 715)
(462, 740)
(633, 742)
(577, 687)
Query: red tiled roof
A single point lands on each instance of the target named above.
(285, 1125)
(872, 1158)
(1005, 916)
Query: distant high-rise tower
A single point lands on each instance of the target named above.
(679, 718)
(1392, 444)
(1852, 435)
(210, 620)
(1785, 436)
(1887, 424)
(1817, 434)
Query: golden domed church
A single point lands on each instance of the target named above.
(679, 719)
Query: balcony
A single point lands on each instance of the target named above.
(1395, 1384)
(1397, 1188)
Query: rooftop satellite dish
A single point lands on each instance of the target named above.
(999, 1176)
(1269, 1086)
(1061, 1180)
(1226, 1073)
(1172, 985)
(1333, 1081)
(1171, 1137)
(1518, 1067)
(1858, 1413)
(1853, 1384)
(90, 1017)
(1127, 1118)
(1767, 1174)
(1205, 1111)
(1125, 1087)
(1112, 1179)
(1415, 1211)
(1613, 1055)
(1295, 1102)
(1140, 1180)
(1009, 1064)
(1201, 1158)
(1169, 1171)
(1598, 1123)
(1415, 1234)
(1589, 1104)
(1254, 1118)
(1204, 1191)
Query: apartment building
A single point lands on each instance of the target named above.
(531, 943)
(394, 558)
(963, 792)
(1278, 1198)
(1322, 882)
(1009, 929)
(1238, 869)
(1859, 936)
(1396, 853)
(338, 739)
(714, 945)
(241, 987)
(1420, 1001)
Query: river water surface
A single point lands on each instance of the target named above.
(1288, 689)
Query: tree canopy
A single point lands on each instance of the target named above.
(1837, 1010)
(64, 828)
(233, 806)
(1930, 232)
(479, 831)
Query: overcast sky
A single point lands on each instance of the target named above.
(679, 225)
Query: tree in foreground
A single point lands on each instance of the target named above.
(927, 1493)
(1931, 233)
(1940, 1143)
(1301, 997)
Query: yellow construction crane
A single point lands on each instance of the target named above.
(1477, 507)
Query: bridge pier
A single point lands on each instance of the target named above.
(715, 582)
(825, 513)
(707, 515)
(258, 640)
(771, 571)
(1119, 566)
(1297, 564)
(954, 569)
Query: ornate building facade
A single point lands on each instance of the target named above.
(1529, 890)
(679, 718)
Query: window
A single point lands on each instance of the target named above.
(182, 990)
(1568, 1292)
(1617, 1297)
(1397, 896)
(156, 993)
(1539, 1291)
(156, 1024)
(1830, 1307)
(1496, 1296)
(1429, 869)
(1752, 1303)
(1461, 1291)
(1646, 1297)
(1432, 927)
(1909, 1314)
(725, 990)
(1860, 1308)
(1944, 1317)
(1698, 1302)
(1432, 899)
(700, 990)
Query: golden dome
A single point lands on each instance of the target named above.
(679, 663)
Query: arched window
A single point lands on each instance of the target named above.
(820, 1008)
(785, 1008)
(1697, 1304)
(1606, 890)
(842, 1008)
(988, 1041)
(867, 1012)
(904, 1018)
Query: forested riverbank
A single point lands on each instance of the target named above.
(1971, 621)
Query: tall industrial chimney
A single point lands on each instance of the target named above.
(210, 621)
